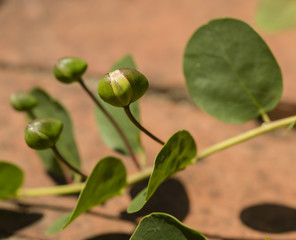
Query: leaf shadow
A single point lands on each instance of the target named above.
(171, 197)
(269, 218)
(57, 179)
(282, 110)
(12, 221)
(111, 236)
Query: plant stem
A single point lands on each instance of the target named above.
(138, 125)
(145, 173)
(114, 123)
(75, 187)
(247, 135)
(137, 177)
(64, 161)
(49, 191)
(265, 117)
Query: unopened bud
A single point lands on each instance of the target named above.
(69, 69)
(122, 87)
(22, 101)
(43, 133)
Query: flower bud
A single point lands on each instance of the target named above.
(43, 133)
(22, 101)
(122, 87)
(69, 69)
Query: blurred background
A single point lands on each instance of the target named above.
(34, 34)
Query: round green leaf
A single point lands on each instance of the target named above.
(163, 226)
(230, 71)
(11, 179)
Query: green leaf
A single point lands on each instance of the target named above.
(11, 179)
(178, 152)
(49, 107)
(107, 131)
(230, 71)
(58, 224)
(274, 15)
(107, 180)
(163, 226)
(138, 202)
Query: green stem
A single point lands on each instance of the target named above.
(48, 191)
(246, 136)
(145, 173)
(138, 125)
(64, 161)
(75, 187)
(138, 177)
(265, 117)
(113, 122)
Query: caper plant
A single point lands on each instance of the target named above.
(230, 73)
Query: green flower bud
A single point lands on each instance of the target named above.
(69, 69)
(122, 87)
(22, 101)
(43, 133)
